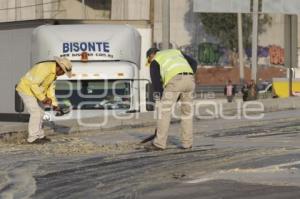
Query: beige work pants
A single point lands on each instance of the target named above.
(35, 130)
(183, 86)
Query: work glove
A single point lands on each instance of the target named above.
(47, 101)
(56, 108)
(61, 111)
(157, 96)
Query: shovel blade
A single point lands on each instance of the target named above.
(150, 138)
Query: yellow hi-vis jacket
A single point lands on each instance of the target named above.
(171, 62)
(39, 82)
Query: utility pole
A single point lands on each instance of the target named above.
(39, 10)
(290, 46)
(294, 42)
(18, 13)
(152, 5)
(83, 9)
(165, 24)
(241, 49)
(254, 40)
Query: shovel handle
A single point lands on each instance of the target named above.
(151, 137)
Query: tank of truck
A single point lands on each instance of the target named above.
(101, 42)
(102, 79)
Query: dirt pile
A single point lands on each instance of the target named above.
(65, 145)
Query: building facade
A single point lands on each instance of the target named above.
(186, 31)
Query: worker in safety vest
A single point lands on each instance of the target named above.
(172, 76)
(37, 89)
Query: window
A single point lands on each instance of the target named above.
(94, 94)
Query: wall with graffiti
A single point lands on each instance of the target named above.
(276, 54)
(214, 54)
(270, 55)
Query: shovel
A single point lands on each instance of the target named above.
(62, 112)
(151, 137)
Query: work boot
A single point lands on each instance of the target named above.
(186, 148)
(45, 139)
(41, 140)
(152, 147)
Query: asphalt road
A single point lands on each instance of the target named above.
(231, 159)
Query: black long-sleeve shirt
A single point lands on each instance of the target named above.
(155, 73)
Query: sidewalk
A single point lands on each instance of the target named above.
(205, 109)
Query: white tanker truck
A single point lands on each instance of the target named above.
(109, 72)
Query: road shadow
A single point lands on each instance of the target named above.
(58, 128)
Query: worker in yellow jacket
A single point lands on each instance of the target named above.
(37, 89)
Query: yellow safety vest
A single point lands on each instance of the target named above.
(39, 82)
(171, 63)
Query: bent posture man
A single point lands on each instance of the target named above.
(36, 89)
(172, 75)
